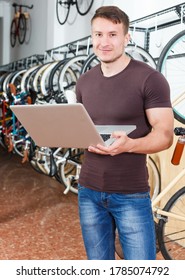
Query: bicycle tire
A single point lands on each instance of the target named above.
(13, 33)
(36, 83)
(21, 29)
(13, 78)
(171, 233)
(44, 82)
(7, 80)
(24, 86)
(90, 62)
(29, 80)
(135, 52)
(71, 64)
(53, 76)
(16, 79)
(154, 178)
(171, 64)
(139, 53)
(83, 7)
(62, 11)
(2, 79)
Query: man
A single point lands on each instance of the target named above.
(113, 184)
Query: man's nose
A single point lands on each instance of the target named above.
(105, 40)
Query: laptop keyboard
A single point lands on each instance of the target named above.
(105, 137)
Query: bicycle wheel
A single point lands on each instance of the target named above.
(138, 53)
(36, 83)
(154, 178)
(62, 10)
(90, 62)
(53, 76)
(70, 72)
(24, 86)
(21, 29)
(133, 51)
(44, 81)
(7, 80)
(83, 7)
(171, 64)
(3, 79)
(16, 79)
(171, 231)
(13, 32)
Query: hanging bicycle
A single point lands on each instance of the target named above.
(63, 8)
(18, 26)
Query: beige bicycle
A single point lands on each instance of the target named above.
(170, 219)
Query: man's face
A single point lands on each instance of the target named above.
(108, 39)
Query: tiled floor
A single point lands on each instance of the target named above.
(37, 221)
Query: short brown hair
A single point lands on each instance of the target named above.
(114, 14)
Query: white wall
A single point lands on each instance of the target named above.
(47, 33)
(4, 33)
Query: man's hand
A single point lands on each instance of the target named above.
(120, 145)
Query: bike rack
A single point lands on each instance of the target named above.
(175, 13)
(24, 63)
(84, 45)
(78, 47)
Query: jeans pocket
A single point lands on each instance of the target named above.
(80, 187)
(141, 195)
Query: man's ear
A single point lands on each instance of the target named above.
(127, 39)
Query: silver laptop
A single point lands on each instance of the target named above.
(64, 125)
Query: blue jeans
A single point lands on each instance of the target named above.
(101, 213)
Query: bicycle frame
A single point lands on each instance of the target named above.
(156, 209)
(178, 99)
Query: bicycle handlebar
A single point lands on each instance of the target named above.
(179, 131)
(25, 6)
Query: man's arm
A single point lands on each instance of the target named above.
(160, 138)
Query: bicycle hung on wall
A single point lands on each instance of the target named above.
(171, 64)
(63, 8)
(170, 219)
(18, 26)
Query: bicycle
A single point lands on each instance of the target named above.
(171, 64)
(63, 8)
(18, 26)
(170, 219)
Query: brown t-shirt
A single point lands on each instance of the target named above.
(120, 99)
